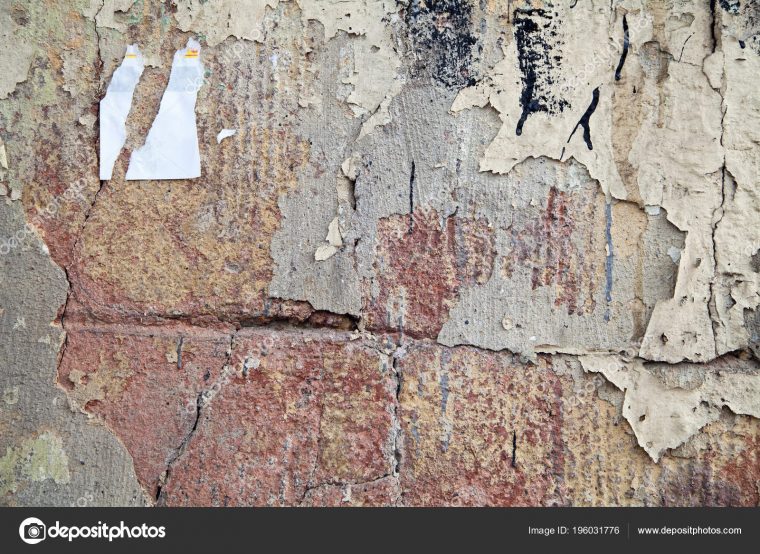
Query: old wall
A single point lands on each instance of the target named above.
(458, 252)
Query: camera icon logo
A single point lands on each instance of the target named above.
(32, 530)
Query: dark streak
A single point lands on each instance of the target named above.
(514, 449)
(411, 188)
(445, 40)
(585, 121)
(179, 352)
(626, 44)
(539, 55)
(712, 26)
(399, 380)
(684, 46)
(411, 197)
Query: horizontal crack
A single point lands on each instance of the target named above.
(344, 484)
(313, 319)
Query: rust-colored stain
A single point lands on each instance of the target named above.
(563, 247)
(131, 378)
(318, 411)
(422, 264)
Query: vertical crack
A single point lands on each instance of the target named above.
(713, 22)
(397, 453)
(201, 401)
(411, 197)
(719, 212)
(97, 35)
(514, 448)
(165, 478)
(397, 423)
(87, 215)
(89, 210)
(62, 317)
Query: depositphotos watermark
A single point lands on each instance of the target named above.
(75, 191)
(33, 531)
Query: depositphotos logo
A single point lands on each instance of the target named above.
(33, 531)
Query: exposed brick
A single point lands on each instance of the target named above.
(142, 385)
(300, 410)
(459, 407)
(463, 410)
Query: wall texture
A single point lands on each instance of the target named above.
(458, 252)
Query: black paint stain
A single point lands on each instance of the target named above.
(731, 6)
(744, 21)
(442, 31)
(411, 188)
(411, 197)
(624, 55)
(712, 26)
(539, 54)
(585, 120)
(514, 449)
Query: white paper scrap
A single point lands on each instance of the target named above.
(114, 109)
(3, 155)
(171, 148)
(224, 133)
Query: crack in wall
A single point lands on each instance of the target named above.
(424, 171)
(98, 40)
(395, 471)
(203, 401)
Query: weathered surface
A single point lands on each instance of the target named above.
(296, 411)
(456, 253)
(479, 428)
(108, 371)
(421, 265)
(482, 428)
(49, 455)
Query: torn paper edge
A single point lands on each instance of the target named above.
(3, 155)
(114, 109)
(171, 147)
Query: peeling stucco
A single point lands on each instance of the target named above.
(667, 405)
(14, 66)
(455, 253)
(218, 19)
